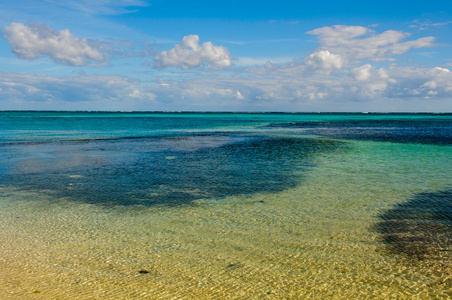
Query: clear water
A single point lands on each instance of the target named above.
(225, 206)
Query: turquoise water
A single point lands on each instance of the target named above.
(214, 206)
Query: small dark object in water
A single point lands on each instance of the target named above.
(234, 266)
(143, 271)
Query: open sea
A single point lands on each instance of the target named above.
(122, 205)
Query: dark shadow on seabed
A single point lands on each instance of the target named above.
(171, 170)
(421, 228)
(436, 131)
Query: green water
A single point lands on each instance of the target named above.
(315, 239)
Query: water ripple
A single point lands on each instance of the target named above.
(420, 228)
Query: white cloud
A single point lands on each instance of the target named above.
(253, 61)
(361, 73)
(30, 42)
(324, 60)
(104, 90)
(421, 83)
(424, 25)
(343, 47)
(230, 92)
(190, 54)
(351, 42)
(297, 88)
(442, 69)
(340, 75)
(291, 88)
(337, 34)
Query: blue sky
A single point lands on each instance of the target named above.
(226, 56)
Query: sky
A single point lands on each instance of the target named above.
(258, 56)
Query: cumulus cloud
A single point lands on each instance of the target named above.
(357, 42)
(431, 83)
(344, 47)
(324, 60)
(342, 74)
(295, 87)
(361, 73)
(30, 42)
(190, 54)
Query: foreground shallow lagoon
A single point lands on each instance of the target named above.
(320, 228)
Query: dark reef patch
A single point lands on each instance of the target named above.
(426, 131)
(420, 228)
(163, 170)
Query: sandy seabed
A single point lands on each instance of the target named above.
(315, 241)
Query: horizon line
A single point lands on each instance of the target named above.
(230, 112)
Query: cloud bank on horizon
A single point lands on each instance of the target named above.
(352, 68)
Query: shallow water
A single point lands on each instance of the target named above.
(316, 229)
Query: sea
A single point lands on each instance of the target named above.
(191, 205)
